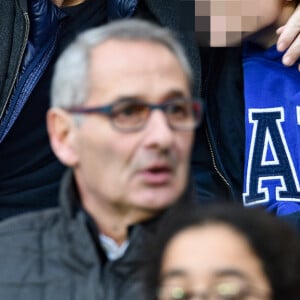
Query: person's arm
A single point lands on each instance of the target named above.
(289, 39)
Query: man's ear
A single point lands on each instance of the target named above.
(62, 134)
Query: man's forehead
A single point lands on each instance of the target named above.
(114, 52)
(133, 67)
(119, 54)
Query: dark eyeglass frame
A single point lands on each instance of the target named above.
(110, 111)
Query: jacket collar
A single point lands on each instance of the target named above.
(83, 236)
(70, 202)
(68, 195)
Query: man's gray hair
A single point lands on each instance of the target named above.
(71, 75)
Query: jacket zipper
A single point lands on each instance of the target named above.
(27, 25)
(205, 93)
(214, 161)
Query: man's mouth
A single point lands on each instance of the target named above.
(157, 174)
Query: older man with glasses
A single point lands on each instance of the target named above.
(123, 120)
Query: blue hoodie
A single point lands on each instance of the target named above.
(272, 122)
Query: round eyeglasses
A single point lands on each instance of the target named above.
(131, 115)
(219, 291)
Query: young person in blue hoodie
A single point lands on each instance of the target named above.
(253, 118)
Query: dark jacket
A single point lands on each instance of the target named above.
(29, 43)
(56, 254)
(29, 172)
(224, 124)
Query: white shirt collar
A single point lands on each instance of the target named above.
(112, 249)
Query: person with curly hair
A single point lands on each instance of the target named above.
(225, 253)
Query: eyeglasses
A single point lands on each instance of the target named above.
(220, 291)
(131, 115)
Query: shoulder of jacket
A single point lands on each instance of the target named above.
(29, 222)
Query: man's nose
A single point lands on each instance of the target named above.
(158, 132)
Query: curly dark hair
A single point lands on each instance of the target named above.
(272, 240)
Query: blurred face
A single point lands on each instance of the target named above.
(230, 20)
(212, 262)
(138, 171)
